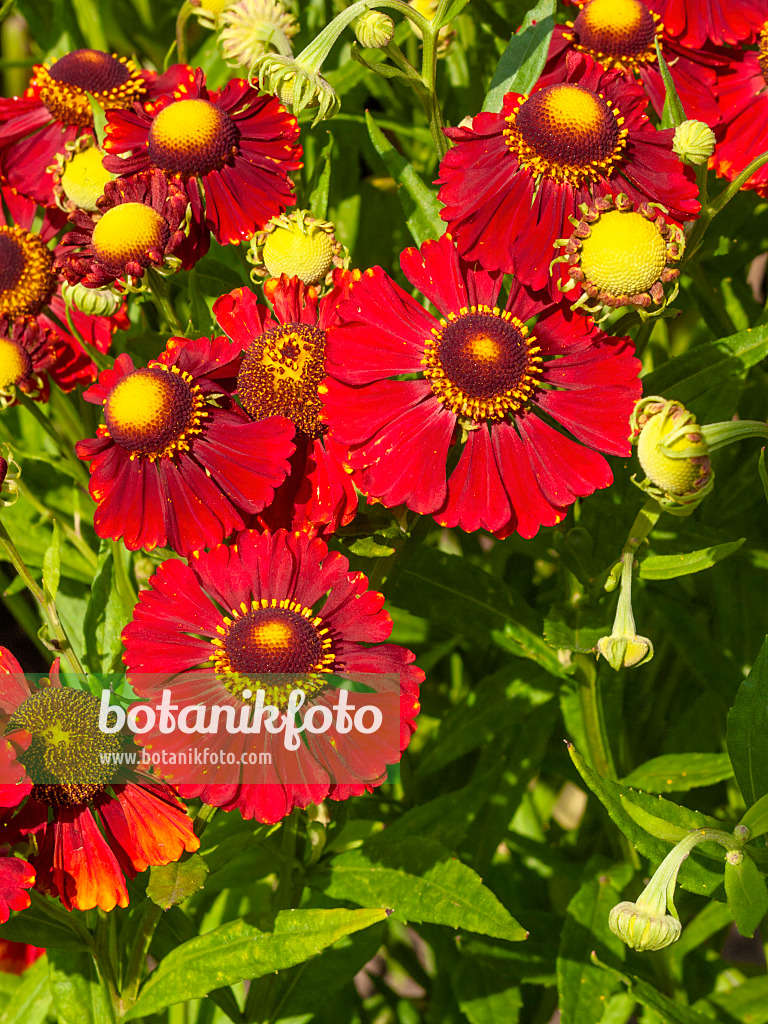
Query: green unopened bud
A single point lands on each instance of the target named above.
(694, 142)
(9, 475)
(296, 85)
(249, 28)
(673, 453)
(374, 29)
(642, 927)
(93, 301)
(298, 245)
(742, 833)
(625, 652)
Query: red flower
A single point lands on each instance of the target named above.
(30, 292)
(278, 612)
(622, 34)
(55, 110)
(92, 827)
(16, 957)
(283, 366)
(239, 146)
(515, 177)
(696, 22)
(27, 352)
(742, 95)
(141, 221)
(480, 378)
(172, 466)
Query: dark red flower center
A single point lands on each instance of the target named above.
(616, 29)
(154, 412)
(280, 374)
(15, 363)
(128, 233)
(26, 278)
(68, 756)
(482, 364)
(192, 137)
(64, 87)
(276, 646)
(566, 132)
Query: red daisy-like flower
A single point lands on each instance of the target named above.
(480, 378)
(142, 221)
(622, 34)
(16, 957)
(178, 463)
(27, 352)
(696, 22)
(30, 292)
(277, 612)
(55, 110)
(237, 144)
(742, 95)
(92, 827)
(283, 366)
(514, 178)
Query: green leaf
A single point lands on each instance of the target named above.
(756, 818)
(78, 995)
(99, 119)
(747, 895)
(454, 10)
(747, 729)
(241, 949)
(89, 22)
(703, 369)
(677, 773)
(105, 618)
(655, 826)
(31, 1001)
(52, 565)
(420, 205)
(580, 984)
(588, 625)
(485, 992)
(668, 567)
(669, 1012)
(695, 875)
(35, 927)
(525, 55)
(763, 474)
(422, 882)
(746, 1001)
(368, 547)
(320, 187)
(673, 113)
(171, 884)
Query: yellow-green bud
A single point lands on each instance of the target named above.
(295, 85)
(374, 29)
(694, 142)
(93, 301)
(643, 926)
(9, 475)
(625, 652)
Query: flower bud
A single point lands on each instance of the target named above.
(9, 475)
(295, 85)
(643, 927)
(298, 245)
(694, 142)
(249, 28)
(625, 652)
(734, 857)
(742, 833)
(673, 454)
(93, 301)
(374, 29)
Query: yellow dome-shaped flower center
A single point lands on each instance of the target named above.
(192, 137)
(616, 29)
(762, 51)
(307, 255)
(280, 374)
(274, 646)
(566, 132)
(114, 81)
(624, 253)
(15, 363)
(26, 278)
(127, 233)
(482, 364)
(675, 476)
(65, 757)
(84, 177)
(154, 412)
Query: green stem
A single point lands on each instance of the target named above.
(593, 718)
(718, 204)
(125, 589)
(203, 817)
(645, 520)
(47, 606)
(102, 956)
(159, 293)
(137, 958)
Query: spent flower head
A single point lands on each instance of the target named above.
(295, 84)
(299, 245)
(250, 28)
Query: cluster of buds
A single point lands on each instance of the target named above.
(299, 245)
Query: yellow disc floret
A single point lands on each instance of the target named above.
(154, 412)
(84, 177)
(566, 132)
(26, 278)
(482, 364)
(115, 82)
(307, 254)
(128, 233)
(192, 137)
(624, 253)
(15, 363)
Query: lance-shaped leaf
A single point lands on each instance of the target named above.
(747, 730)
(525, 55)
(747, 895)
